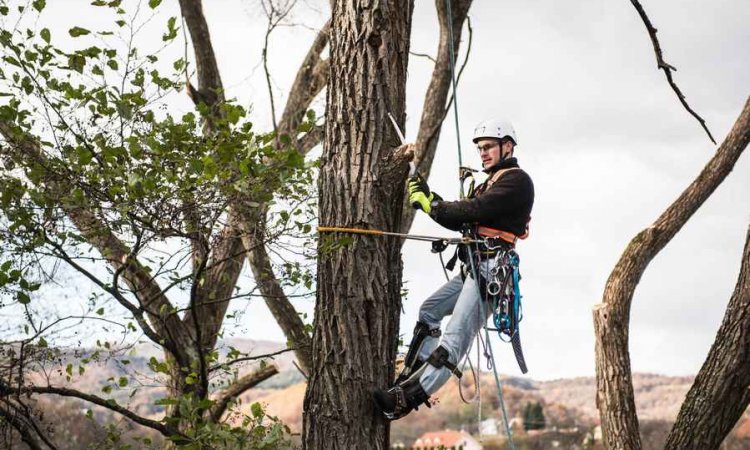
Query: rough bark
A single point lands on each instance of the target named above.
(720, 392)
(361, 185)
(433, 112)
(612, 317)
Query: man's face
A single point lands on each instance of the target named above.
(489, 151)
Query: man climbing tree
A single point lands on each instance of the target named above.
(497, 212)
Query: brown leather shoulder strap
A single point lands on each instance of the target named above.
(497, 175)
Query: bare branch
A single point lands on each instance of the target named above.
(311, 139)
(209, 79)
(238, 387)
(250, 358)
(667, 68)
(611, 317)
(279, 305)
(109, 404)
(311, 77)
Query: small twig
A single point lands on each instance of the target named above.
(666, 67)
(250, 358)
(424, 55)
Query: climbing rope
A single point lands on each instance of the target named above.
(455, 94)
(491, 357)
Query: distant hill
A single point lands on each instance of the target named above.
(568, 403)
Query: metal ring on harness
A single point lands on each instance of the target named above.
(493, 287)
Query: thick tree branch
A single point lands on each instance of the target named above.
(278, 303)
(238, 387)
(209, 79)
(247, 224)
(612, 317)
(667, 68)
(434, 108)
(109, 404)
(312, 138)
(720, 393)
(311, 77)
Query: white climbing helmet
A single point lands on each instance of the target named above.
(496, 129)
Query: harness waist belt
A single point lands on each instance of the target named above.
(506, 236)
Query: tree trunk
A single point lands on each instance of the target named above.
(361, 185)
(720, 393)
(614, 396)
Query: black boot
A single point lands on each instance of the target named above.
(401, 399)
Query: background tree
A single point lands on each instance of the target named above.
(96, 177)
(533, 416)
(705, 418)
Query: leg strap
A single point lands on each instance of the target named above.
(439, 358)
(412, 362)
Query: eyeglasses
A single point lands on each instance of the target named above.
(486, 147)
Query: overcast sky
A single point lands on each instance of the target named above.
(603, 136)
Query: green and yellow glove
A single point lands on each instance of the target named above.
(420, 196)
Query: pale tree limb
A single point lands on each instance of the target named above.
(434, 108)
(720, 395)
(278, 303)
(238, 387)
(666, 67)
(311, 78)
(612, 317)
(311, 139)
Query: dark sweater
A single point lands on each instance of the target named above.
(505, 205)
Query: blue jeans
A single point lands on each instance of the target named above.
(462, 300)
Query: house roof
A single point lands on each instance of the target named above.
(446, 438)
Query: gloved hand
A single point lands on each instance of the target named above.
(420, 196)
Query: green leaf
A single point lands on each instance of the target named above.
(39, 4)
(78, 31)
(42, 343)
(23, 298)
(45, 34)
(257, 410)
(154, 3)
(107, 389)
(100, 311)
(171, 30)
(123, 381)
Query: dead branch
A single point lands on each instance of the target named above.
(666, 67)
(611, 317)
(238, 387)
